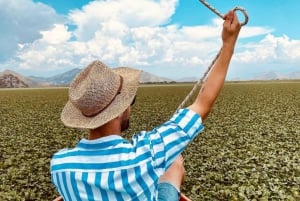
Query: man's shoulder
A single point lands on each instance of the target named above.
(63, 152)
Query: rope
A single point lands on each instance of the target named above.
(222, 16)
(201, 80)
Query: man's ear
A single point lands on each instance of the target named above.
(122, 114)
(119, 116)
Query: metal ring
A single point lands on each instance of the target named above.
(243, 10)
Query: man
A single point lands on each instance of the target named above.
(107, 167)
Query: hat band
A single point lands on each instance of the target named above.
(109, 103)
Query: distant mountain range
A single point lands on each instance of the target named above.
(278, 76)
(62, 79)
(11, 79)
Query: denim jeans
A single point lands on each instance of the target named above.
(167, 192)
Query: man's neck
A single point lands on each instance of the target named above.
(110, 128)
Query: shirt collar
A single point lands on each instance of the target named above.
(101, 143)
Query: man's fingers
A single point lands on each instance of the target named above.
(229, 16)
(231, 19)
(228, 19)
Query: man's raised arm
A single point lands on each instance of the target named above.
(215, 80)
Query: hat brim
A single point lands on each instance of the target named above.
(72, 117)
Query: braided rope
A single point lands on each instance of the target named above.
(203, 78)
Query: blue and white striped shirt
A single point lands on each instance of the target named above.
(111, 168)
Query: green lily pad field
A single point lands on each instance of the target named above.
(249, 150)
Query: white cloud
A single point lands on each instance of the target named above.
(58, 34)
(270, 54)
(134, 33)
(21, 22)
(271, 49)
(247, 32)
(132, 13)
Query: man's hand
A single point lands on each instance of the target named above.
(231, 29)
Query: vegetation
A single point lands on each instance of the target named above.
(249, 150)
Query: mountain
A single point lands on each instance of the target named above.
(150, 78)
(188, 79)
(11, 79)
(294, 75)
(62, 79)
(65, 79)
(271, 76)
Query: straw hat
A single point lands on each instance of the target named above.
(98, 94)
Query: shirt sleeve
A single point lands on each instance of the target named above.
(172, 137)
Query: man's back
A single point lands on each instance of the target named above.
(111, 168)
(105, 169)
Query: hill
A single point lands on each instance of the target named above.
(11, 79)
(150, 78)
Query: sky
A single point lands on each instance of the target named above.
(169, 38)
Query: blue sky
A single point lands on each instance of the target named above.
(169, 38)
